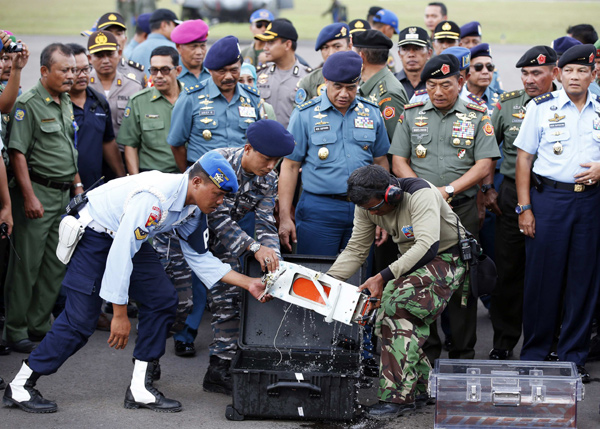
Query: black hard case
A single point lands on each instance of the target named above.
(309, 378)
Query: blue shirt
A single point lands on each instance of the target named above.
(95, 129)
(204, 118)
(189, 79)
(330, 145)
(129, 48)
(141, 53)
(139, 207)
(555, 120)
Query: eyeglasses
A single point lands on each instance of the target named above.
(163, 70)
(261, 24)
(478, 67)
(84, 70)
(374, 208)
(72, 70)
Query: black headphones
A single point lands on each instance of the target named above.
(394, 193)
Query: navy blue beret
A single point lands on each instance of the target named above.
(330, 32)
(463, 55)
(440, 67)
(224, 52)
(582, 55)
(270, 138)
(343, 67)
(470, 29)
(561, 44)
(219, 170)
(538, 56)
(481, 50)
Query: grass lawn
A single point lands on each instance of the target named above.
(507, 21)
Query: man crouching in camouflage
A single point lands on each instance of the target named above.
(413, 290)
(244, 222)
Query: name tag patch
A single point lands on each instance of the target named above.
(323, 128)
(247, 112)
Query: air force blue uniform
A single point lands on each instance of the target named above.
(203, 118)
(114, 261)
(566, 247)
(330, 146)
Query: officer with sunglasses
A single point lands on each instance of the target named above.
(259, 21)
(478, 87)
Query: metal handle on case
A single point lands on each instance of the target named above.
(294, 385)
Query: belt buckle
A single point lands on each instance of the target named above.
(579, 187)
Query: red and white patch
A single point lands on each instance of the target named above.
(445, 69)
(154, 217)
(389, 112)
(488, 129)
(541, 59)
(461, 153)
(591, 57)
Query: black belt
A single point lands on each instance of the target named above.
(574, 187)
(455, 250)
(63, 186)
(341, 197)
(460, 201)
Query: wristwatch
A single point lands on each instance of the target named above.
(450, 191)
(521, 208)
(485, 188)
(254, 247)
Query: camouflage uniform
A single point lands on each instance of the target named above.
(408, 306)
(170, 255)
(228, 241)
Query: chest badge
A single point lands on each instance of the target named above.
(320, 116)
(206, 134)
(420, 121)
(461, 153)
(597, 123)
(520, 115)
(206, 120)
(557, 148)
(456, 142)
(556, 118)
(323, 153)
(421, 151)
(206, 103)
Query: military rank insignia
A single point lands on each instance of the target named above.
(140, 234)
(363, 122)
(19, 114)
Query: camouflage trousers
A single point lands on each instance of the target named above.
(224, 304)
(408, 307)
(171, 256)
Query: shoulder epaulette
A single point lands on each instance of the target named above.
(309, 70)
(477, 107)
(272, 69)
(366, 100)
(309, 103)
(264, 66)
(543, 98)
(24, 98)
(474, 98)
(197, 87)
(510, 95)
(421, 92)
(382, 88)
(251, 90)
(411, 105)
(135, 65)
(131, 76)
(137, 94)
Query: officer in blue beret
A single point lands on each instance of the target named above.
(114, 261)
(244, 215)
(386, 21)
(335, 133)
(559, 138)
(561, 44)
(470, 34)
(216, 112)
(478, 88)
(332, 38)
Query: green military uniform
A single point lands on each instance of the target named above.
(146, 124)
(384, 89)
(44, 132)
(250, 55)
(441, 148)
(312, 85)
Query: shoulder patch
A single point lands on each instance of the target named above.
(477, 107)
(543, 98)
(300, 96)
(127, 112)
(309, 103)
(511, 94)
(411, 105)
(19, 114)
(135, 65)
(366, 100)
(140, 234)
(421, 92)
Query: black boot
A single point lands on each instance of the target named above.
(389, 410)
(218, 378)
(141, 392)
(2, 384)
(156, 371)
(21, 392)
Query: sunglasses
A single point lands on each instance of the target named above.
(261, 24)
(375, 207)
(163, 70)
(478, 67)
